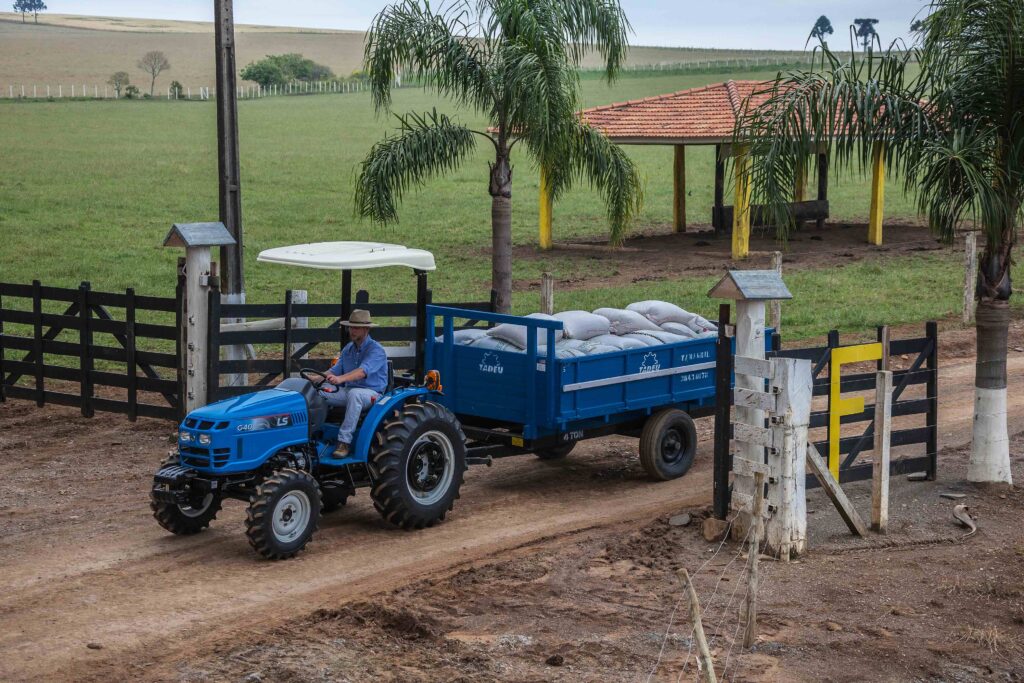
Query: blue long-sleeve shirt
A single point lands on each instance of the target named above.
(371, 357)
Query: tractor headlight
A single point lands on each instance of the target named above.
(204, 439)
(185, 436)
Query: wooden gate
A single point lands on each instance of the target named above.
(59, 345)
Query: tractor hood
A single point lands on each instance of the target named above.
(256, 404)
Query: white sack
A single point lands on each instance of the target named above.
(516, 334)
(680, 329)
(583, 325)
(661, 312)
(465, 337)
(488, 342)
(702, 324)
(661, 336)
(591, 348)
(644, 339)
(625, 322)
(620, 343)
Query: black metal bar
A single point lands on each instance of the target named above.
(37, 336)
(213, 344)
(723, 415)
(129, 335)
(85, 344)
(287, 354)
(932, 332)
(180, 341)
(346, 305)
(422, 299)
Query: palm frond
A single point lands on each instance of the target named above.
(428, 144)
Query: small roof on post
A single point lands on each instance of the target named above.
(751, 285)
(198, 235)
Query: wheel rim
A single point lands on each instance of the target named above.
(193, 512)
(672, 446)
(291, 516)
(431, 467)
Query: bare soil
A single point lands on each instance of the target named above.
(569, 558)
(655, 255)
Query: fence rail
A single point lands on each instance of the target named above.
(36, 346)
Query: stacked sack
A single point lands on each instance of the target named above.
(639, 325)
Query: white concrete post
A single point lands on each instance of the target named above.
(300, 296)
(197, 319)
(750, 344)
(786, 528)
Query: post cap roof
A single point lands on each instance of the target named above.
(198, 235)
(751, 285)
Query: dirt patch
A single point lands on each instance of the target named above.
(658, 256)
(920, 603)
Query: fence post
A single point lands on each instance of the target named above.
(129, 335)
(698, 628)
(300, 297)
(970, 275)
(182, 338)
(37, 340)
(786, 530)
(776, 304)
(753, 552)
(3, 393)
(723, 417)
(880, 467)
(286, 370)
(932, 364)
(212, 323)
(833, 342)
(199, 285)
(85, 350)
(547, 294)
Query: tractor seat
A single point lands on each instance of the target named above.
(336, 414)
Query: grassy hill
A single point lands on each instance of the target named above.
(66, 49)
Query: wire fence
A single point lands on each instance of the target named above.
(85, 91)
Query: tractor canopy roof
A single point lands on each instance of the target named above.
(349, 256)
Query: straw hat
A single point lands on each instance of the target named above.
(359, 318)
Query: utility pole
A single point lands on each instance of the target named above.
(231, 275)
(232, 278)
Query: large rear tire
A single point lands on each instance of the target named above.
(418, 459)
(668, 444)
(188, 519)
(283, 514)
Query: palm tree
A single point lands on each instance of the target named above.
(515, 62)
(954, 134)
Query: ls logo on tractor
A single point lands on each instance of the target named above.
(261, 423)
(492, 364)
(650, 363)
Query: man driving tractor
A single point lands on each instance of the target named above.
(360, 376)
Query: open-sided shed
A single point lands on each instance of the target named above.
(707, 116)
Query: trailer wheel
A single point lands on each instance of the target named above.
(189, 519)
(556, 453)
(283, 514)
(419, 458)
(668, 444)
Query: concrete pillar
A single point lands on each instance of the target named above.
(741, 207)
(877, 194)
(544, 240)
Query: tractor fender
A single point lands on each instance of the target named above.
(360, 452)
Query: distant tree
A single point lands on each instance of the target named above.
(154, 63)
(35, 7)
(917, 26)
(280, 69)
(866, 31)
(119, 80)
(822, 27)
(265, 72)
(131, 92)
(177, 89)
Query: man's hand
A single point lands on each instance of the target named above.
(334, 379)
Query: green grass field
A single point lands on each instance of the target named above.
(89, 189)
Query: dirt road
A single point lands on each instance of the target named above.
(91, 584)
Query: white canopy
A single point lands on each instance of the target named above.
(349, 256)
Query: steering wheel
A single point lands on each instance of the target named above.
(318, 379)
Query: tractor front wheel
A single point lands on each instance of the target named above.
(283, 514)
(185, 520)
(419, 459)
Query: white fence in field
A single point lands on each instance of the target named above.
(246, 92)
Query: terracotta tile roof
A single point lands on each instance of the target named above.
(706, 114)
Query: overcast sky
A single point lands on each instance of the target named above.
(760, 24)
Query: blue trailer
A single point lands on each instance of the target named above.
(275, 449)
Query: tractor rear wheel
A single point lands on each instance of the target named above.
(668, 444)
(419, 459)
(185, 520)
(557, 452)
(283, 514)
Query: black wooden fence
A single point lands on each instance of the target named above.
(54, 338)
(292, 346)
(923, 369)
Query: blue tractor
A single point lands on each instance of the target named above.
(273, 449)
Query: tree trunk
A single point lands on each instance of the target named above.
(990, 448)
(152, 84)
(501, 230)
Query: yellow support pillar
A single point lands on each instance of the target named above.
(741, 206)
(545, 212)
(679, 189)
(877, 194)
